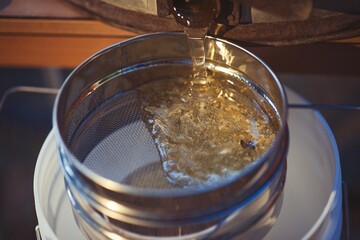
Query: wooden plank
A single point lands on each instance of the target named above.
(60, 26)
(70, 51)
(353, 41)
(54, 42)
(66, 43)
(83, 27)
(45, 51)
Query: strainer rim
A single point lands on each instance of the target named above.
(123, 188)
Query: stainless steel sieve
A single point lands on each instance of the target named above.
(110, 162)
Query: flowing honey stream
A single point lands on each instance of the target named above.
(205, 128)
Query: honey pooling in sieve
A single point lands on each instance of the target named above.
(205, 140)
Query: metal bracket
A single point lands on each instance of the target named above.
(26, 89)
(234, 17)
(37, 233)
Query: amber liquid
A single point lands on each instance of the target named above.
(205, 127)
(196, 16)
(202, 142)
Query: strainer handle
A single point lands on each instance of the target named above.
(37, 233)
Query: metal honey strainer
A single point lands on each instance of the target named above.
(111, 165)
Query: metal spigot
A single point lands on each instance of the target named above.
(224, 15)
(193, 13)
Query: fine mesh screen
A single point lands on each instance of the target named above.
(129, 156)
(115, 143)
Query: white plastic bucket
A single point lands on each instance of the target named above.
(312, 205)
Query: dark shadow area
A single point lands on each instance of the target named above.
(25, 121)
(312, 59)
(4, 4)
(345, 6)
